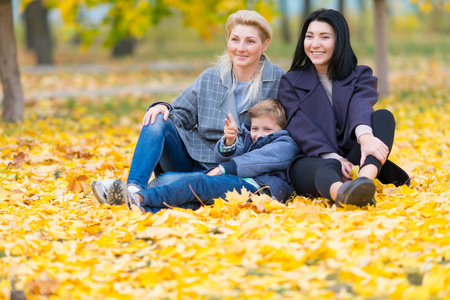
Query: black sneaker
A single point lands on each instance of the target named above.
(359, 192)
(99, 191)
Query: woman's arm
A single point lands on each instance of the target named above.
(360, 114)
(364, 97)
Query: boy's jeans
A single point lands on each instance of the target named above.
(180, 192)
(159, 149)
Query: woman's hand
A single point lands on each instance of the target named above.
(215, 171)
(150, 115)
(230, 130)
(371, 145)
(346, 169)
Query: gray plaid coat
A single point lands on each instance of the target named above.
(199, 111)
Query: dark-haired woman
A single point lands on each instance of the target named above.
(329, 105)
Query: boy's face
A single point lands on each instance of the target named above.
(263, 126)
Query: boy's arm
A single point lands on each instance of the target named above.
(230, 131)
(230, 144)
(275, 156)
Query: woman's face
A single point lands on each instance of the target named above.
(319, 44)
(245, 47)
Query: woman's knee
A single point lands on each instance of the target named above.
(302, 174)
(383, 126)
(160, 125)
(384, 117)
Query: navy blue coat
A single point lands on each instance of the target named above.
(319, 127)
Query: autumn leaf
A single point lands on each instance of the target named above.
(79, 183)
(43, 285)
(19, 159)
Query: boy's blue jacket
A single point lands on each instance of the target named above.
(265, 161)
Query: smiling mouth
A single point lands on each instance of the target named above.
(317, 53)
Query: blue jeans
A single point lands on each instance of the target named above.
(159, 149)
(188, 188)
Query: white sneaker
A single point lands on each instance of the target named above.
(132, 199)
(99, 191)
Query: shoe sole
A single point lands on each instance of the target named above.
(116, 193)
(361, 195)
(99, 192)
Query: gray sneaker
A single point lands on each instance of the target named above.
(99, 191)
(117, 193)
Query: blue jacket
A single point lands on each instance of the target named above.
(199, 111)
(265, 161)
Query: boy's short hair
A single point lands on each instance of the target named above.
(269, 108)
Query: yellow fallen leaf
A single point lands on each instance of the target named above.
(79, 184)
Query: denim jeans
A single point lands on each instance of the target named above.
(188, 188)
(159, 149)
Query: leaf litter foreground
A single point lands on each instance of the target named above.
(57, 242)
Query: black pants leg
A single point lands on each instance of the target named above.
(314, 176)
(383, 126)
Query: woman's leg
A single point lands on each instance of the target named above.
(158, 144)
(315, 176)
(383, 126)
(323, 177)
(184, 191)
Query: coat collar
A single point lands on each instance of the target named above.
(308, 79)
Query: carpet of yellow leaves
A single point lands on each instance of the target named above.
(56, 241)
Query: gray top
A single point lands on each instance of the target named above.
(239, 94)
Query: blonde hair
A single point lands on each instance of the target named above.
(271, 108)
(249, 18)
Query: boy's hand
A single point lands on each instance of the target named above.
(214, 172)
(230, 130)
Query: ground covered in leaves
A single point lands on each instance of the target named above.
(56, 241)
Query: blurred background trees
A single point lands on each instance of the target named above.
(94, 31)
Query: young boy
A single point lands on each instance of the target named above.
(257, 161)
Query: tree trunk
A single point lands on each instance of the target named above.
(361, 30)
(341, 6)
(124, 47)
(9, 69)
(306, 9)
(38, 32)
(381, 59)
(286, 33)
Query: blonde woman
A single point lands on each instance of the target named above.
(180, 137)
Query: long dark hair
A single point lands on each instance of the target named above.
(343, 60)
